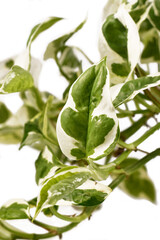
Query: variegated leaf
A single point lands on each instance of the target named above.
(119, 41)
(69, 64)
(87, 126)
(59, 186)
(15, 209)
(124, 92)
(46, 165)
(16, 80)
(90, 193)
(41, 27)
(21, 60)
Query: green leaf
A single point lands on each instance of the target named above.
(138, 184)
(88, 123)
(16, 80)
(15, 209)
(41, 27)
(117, 41)
(4, 113)
(59, 186)
(124, 92)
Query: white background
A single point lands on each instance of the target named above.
(121, 217)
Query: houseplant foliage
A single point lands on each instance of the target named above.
(78, 137)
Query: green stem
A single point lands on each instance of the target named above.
(152, 98)
(85, 214)
(18, 234)
(134, 167)
(123, 113)
(122, 157)
(133, 146)
(146, 134)
(152, 108)
(134, 127)
(55, 230)
(81, 51)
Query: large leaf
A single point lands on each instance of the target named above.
(124, 92)
(87, 126)
(117, 41)
(15, 209)
(138, 184)
(59, 186)
(16, 80)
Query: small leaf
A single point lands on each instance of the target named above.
(16, 80)
(41, 27)
(124, 92)
(15, 209)
(88, 121)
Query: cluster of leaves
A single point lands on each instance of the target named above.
(73, 133)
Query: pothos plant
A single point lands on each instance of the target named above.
(78, 137)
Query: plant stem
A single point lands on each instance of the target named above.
(85, 214)
(134, 127)
(133, 146)
(134, 167)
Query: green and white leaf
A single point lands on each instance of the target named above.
(118, 39)
(65, 56)
(88, 122)
(15, 209)
(90, 193)
(41, 27)
(46, 166)
(59, 186)
(127, 91)
(16, 80)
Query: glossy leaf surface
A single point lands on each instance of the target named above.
(88, 123)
